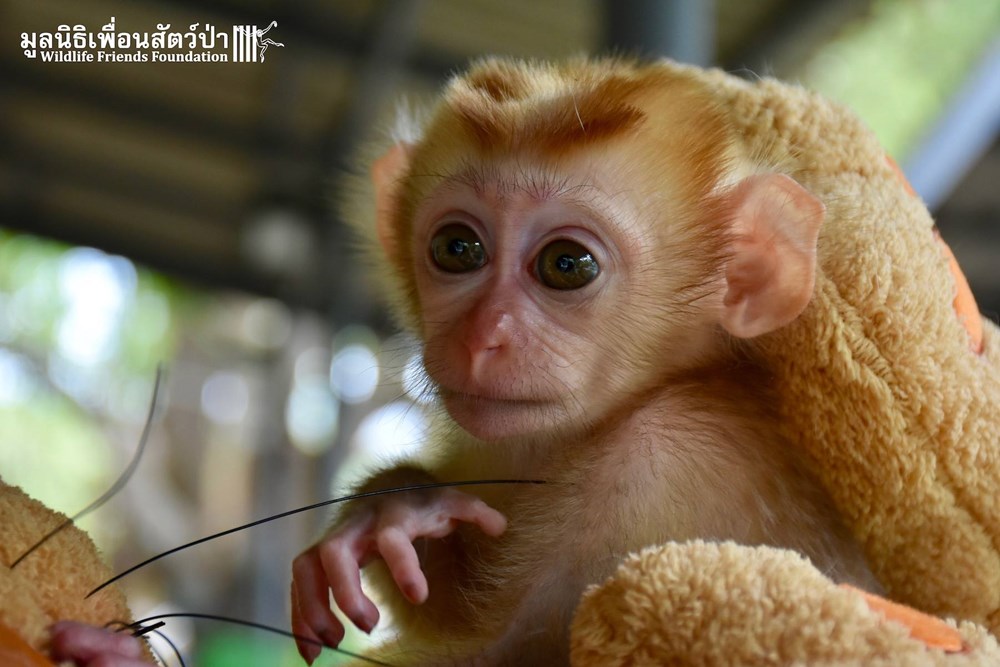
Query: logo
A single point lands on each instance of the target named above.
(247, 39)
(110, 45)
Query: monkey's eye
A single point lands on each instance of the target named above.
(456, 249)
(566, 265)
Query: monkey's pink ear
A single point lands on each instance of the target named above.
(772, 270)
(387, 172)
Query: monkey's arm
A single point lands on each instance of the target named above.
(383, 527)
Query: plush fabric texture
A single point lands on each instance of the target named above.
(705, 603)
(50, 584)
(886, 386)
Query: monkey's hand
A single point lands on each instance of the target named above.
(88, 646)
(383, 528)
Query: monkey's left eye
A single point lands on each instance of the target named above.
(456, 248)
(566, 265)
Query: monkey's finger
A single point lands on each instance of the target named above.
(72, 641)
(300, 628)
(344, 578)
(399, 555)
(313, 596)
(473, 510)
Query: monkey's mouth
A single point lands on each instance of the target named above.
(493, 417)
(487, 398)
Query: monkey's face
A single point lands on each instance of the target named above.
(528, 281)
(569, 241)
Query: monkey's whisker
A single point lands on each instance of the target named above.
(118, 484)
(299, 510)
(142, 630)
(171, 644)
(161, 618)
(138, 630)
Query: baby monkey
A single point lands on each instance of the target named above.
(585, 252)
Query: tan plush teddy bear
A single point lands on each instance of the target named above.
(48, 585)
(890, 381)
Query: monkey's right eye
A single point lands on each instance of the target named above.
(457, 249)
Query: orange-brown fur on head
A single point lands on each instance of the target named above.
(503, 107)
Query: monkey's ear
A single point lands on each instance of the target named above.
(772, 270)
(387, 173)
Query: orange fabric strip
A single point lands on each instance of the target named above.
(964, 303)
(15, 652)
(925, 628)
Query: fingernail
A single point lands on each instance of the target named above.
(413, 593)
(369, 623)
(330, 638)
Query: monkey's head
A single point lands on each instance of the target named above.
(570, 237)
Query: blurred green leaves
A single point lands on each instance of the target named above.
(81, 334)
(899, 66)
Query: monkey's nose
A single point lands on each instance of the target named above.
(487, 339)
